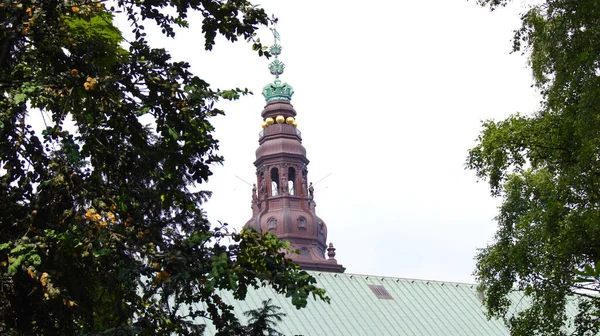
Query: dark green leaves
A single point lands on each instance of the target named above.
(100, 231)
(264, 319)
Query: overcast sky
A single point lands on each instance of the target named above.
(390, 96)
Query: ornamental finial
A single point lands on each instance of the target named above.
(277, 90)
(276, 67)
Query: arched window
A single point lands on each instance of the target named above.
(291, 181)
(274, 182)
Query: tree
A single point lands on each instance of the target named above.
(546, 168)
(101, 231)
(264, 319)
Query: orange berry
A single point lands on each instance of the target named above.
(74, 72)
(163, 275)
(43, 279)
(91, 84)
(75, 9)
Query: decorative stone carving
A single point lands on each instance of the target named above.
(331, 251)
(311, 191)
(302, 223)
(272, 223)
(304, 184)
(304, 251)
(263, 187)
(284, 186)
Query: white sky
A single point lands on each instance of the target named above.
(389, 95)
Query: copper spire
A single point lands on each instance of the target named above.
(283, 203)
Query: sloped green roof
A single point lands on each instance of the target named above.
(416, 307)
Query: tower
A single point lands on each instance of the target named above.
(282, 200)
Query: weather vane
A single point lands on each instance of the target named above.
(275, 34)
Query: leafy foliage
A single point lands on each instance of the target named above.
(264, 320)
(101, 229)
(546, 167)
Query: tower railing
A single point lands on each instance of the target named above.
(280, 129)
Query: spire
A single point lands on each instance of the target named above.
(283, 201)
(277, 90)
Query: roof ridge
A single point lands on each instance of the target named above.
(390, 277)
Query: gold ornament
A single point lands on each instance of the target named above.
(269, 121)
(280, 119)
(289, 120)
(295, 123)
(264, 124)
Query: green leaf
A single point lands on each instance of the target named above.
(173, 134)
(19, 98)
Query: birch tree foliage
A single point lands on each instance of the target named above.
(545, 166)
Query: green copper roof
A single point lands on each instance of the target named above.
(413, 307)
(277, 90)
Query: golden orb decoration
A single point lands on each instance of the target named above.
(295, 123)
(280, 119)
(264, 124)
(269, 121)
(289, 120)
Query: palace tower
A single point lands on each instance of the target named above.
(282, 201)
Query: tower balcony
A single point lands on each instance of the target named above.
(285, 130)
